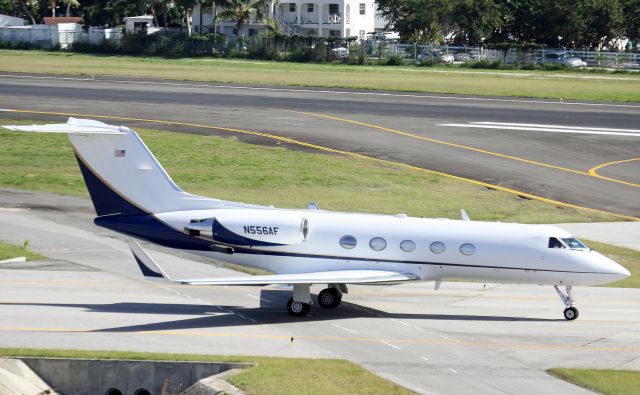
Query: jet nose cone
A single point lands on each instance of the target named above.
(623, 272)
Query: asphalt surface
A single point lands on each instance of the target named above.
(465, 338)
(544, 148)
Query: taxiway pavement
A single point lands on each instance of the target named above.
(580, 153)
(466, 338)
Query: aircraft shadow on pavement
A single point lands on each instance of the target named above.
(271, 312)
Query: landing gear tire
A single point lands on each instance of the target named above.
(329, 298)
(570, 313)
(297, 309)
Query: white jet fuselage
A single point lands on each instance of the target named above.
(504, 252)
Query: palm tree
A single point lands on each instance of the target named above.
(243, 11)
(70, 3)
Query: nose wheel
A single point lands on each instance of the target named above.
(570, 312)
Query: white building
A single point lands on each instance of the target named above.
(339, 18)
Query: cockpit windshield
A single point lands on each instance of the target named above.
(574, 243)
(555, 243)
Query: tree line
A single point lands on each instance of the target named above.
(554, 23)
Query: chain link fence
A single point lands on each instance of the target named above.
(310, 49)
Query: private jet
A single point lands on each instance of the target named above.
(133, 194)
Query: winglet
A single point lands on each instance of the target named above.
(149, 268)
(465, 216)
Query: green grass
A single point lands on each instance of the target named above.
(269, 376)
(537, 84)
(8, 251)
(228, 169)
(608, 382)
(626, 257)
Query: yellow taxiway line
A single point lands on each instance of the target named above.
(341, 152)
(479, 150)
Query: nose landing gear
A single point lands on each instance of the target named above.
(570, 312)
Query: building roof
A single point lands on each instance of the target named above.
(50, 20)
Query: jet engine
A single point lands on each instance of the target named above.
(251, 228)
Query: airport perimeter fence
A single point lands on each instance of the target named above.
(305, 49)
(434, 54)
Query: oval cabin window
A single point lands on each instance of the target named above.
(378, 244)
(467, 249)
(407, 246)
(348, 242)
(437, 247)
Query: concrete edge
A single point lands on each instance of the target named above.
(216, 384)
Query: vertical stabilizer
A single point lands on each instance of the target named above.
(122, 175)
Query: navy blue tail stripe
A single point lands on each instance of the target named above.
(105, 200)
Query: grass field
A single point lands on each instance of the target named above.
(608, 382)
(536, 84)
(269, 376)
(8, 251)
(228, 169)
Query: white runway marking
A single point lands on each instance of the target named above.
(424, 358)
(390, 345)
(453, 371)
(326, 91)
(343, 328)
(546, 128)
(259, 298)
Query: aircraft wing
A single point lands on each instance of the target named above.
(152, 271)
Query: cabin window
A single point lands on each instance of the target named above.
(348, 242)
(378, 244)
(574, 243)
(437, 247)
(407, 246)
(467, 249)
(555, 243)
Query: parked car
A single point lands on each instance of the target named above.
(340, 52)
(564, 58)
(435, 56)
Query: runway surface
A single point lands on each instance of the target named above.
(466, 338)
(586, 154)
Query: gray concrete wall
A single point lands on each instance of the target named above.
(96, 377)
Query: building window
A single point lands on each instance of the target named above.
(407, 246)
(334, 33)
(348, 242)
(292, 7)
(363, 8)
(378, 244)
(467, 249)
(310, 7)
(334, 8)
(437, 247)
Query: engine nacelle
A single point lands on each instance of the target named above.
(251, 228)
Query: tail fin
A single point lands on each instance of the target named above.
(122, 175)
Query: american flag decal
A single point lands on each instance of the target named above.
(119, 153)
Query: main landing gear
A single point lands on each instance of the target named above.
(570, 312)
(329, 298)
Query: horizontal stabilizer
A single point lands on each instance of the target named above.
(152, 271)
(73, 126)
